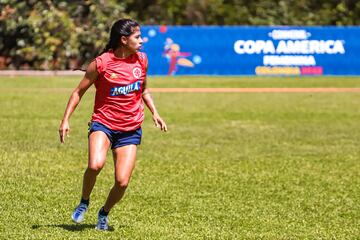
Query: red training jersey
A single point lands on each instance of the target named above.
(118, 100)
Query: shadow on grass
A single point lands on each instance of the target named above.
(71, 227)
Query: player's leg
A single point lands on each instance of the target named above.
(99, 144)
(124, 161)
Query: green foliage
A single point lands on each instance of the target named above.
(55, 34)
(48, 35)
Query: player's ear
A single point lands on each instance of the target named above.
(123, 40)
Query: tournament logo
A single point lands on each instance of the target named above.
(137, 72)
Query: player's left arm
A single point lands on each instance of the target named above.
(146, 96)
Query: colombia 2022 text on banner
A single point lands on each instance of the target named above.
(241, 50)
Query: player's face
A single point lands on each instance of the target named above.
(134, 41)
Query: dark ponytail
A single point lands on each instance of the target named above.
(122, 27)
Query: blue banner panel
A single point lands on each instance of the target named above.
(235, 50)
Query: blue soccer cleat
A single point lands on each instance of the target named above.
(102, 223)
(79, 213)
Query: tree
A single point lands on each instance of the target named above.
(55, 34)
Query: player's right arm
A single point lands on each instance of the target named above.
(88, 79)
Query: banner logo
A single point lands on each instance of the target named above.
(289, 52)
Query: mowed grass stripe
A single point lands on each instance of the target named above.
(253, 90)
(195, 82)
(207, 90)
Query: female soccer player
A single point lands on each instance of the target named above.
(119, 76)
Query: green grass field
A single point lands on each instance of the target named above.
(232, 166)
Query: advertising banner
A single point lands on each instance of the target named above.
(235, 50)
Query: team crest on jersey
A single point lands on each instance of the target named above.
(113, 75)
(137, 72)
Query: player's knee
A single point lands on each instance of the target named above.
(94, 168)
(122, 182)
(95, 165)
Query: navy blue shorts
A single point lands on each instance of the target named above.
(117, 138)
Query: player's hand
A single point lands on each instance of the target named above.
(64, 130)
(159, 122)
